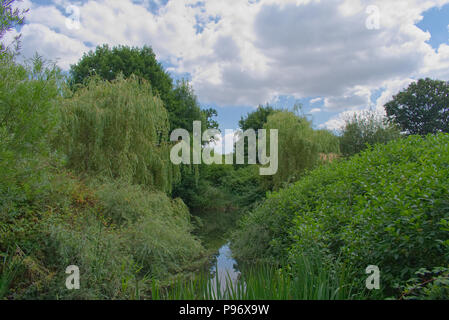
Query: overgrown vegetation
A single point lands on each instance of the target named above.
(118, 229)
(86, 180)
(307, 279)
(386, 206)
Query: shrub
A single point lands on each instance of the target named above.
(386, 206)
(428, 285)
(155, 228)
(121, 237)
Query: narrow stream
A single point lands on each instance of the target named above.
(225, 270)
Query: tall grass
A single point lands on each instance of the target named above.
(303, 280)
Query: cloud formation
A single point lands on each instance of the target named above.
(248, 52)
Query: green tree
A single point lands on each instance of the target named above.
(184, 109)
(119, 129)
(297, 147)
(256, 119)
(422, 108)
(366, 129)
(107, 63)
(9, 19)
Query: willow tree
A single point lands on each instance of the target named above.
(119, 129)
(297, 146)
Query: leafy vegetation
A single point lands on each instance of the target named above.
(109, 63)
(118, 129)
(386, 206)
(119, 230)
(10, 18)
(363, 130)
(422, 108)
(299, 146)
(86, 180)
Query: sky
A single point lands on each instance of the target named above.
(335, 57)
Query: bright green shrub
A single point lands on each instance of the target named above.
(120, 130)
(387, 206)
(28, 96)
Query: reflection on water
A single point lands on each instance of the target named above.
(225, 269)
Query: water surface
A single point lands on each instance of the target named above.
(225, 270)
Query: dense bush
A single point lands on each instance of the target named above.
(387, 206)
(119, 129)
(121, 237)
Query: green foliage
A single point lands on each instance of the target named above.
(28, 97)
(245, 186)
(254, 120)
(366, 129)
(422, 108)
(184, 109)
(386, 206)
(120, 236)
(297, 148)
(327, 142)
(118, 129)
(157, 229)
(428, 285)
(257, 119)
(108, 63)
(27, 104)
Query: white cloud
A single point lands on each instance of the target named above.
(315, 110)
(57, 47)
(337, 122)
(313, 101)
(250, 52)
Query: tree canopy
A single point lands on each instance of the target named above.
(107, 63)
(119, 129)
(422, 108)
(256, 120)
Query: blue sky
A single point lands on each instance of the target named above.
(336, 57)
(436, 21)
